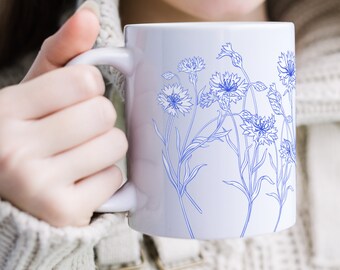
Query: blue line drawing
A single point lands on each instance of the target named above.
(176, 102)
(258, 131)
(254, 138)
(255, 135)
(287, 153)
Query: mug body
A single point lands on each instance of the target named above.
(211, 124)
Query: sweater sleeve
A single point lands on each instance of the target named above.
(28, 243)
(318, 91)
(317, 55)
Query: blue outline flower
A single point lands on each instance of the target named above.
(225, 88)
(287, 151)
(287, 69)
(261, 129)
(191, 65)
(227, 50)
(174, 98)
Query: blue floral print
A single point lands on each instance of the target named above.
(254, 138)
(190, 65)
(175, 99)
(262, 130)
(287, 70)
(225, 89)
(228, 51)
(287, 151)
(177, 102)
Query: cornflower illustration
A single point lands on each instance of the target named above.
(177, 102)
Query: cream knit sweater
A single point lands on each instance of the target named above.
(313, 243)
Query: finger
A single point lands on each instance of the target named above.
(52, 92)
(71, 127)
(98, 188)
(77, 35)
(91, 157)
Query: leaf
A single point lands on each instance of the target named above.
(168, 170)
(239, 186)
(260, 163)
(290, 188)
(274, 195)
(275, 99)
(259, 86)
(231, 144)
(193, 147)
(219, 135)
(285, 195)
(193, 201)
(245, 159)
(220, 119)
(258, 185)
(272, 162)
(158, 132)
(224, 132)
(168, 75)
(192, 174)
(244, 164)
(286, 176)
(200, 94)
(186, 168)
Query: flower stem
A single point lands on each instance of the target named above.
(193, 202)
(250, 207)
(169, 125)
(254, 159)
(245, 137)
(204, 127)
(238, 151)
(186, 217)
(278, 218)
(192, 120)
(251, 89)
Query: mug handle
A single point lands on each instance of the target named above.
(122, 59)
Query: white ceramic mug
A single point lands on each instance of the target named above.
(211, 128)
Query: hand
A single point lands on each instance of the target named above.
(58, 145)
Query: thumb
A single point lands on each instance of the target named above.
(77, 35)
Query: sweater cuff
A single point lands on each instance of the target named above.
(28, 243)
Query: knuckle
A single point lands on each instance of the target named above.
(46, 43)
(119, 138)
(112, 179)
(105, 112)
(117, 175)
(88, 80)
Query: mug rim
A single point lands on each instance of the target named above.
(198, 25)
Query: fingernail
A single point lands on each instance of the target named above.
(92, 6)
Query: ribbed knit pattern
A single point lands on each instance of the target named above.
(27, 243)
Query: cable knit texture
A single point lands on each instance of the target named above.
(26, 243)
